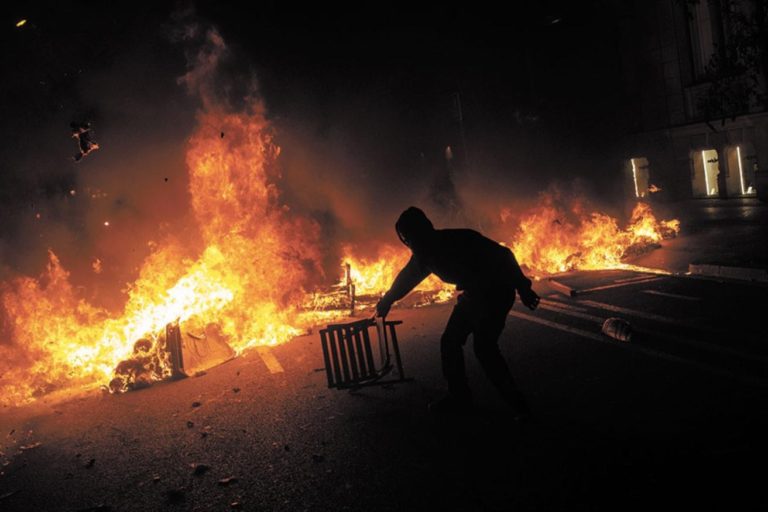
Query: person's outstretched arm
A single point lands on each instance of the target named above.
(408, 278)
(523, 284)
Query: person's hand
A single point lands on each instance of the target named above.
(529, 298)
(382, 307)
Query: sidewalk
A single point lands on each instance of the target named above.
(715, 234)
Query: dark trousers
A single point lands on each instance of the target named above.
(483, 317)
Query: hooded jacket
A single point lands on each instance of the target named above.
(478, 265)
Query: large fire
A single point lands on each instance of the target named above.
(249, 281)
(553, 240)
(373, 276)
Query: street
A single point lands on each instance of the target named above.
(206, 205)
(676, 417)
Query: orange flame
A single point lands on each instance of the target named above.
(248, 279)
(373, 276)
(553, 240)
(251, 273)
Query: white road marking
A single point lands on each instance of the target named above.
(561, 327)
(707, 346)
(269, 359)
(630, 279)
(643, 350)
(711, 347)
(563, 305)
(567, 311)
(632, 312)
(618, 285)
(672, 295)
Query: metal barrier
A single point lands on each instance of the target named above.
(349, 358)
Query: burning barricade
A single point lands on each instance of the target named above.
(171, 354)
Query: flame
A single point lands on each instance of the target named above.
(553, 240)
(249, 273)
(248, 278)
(373, 276)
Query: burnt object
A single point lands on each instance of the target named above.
(82, 132)
(173, 345)
(562, 288)
(350, 361)
(194, 353)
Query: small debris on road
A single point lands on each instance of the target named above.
(190, 424)
(200, 373)
(89, 464)
(228, 480)
(30, 446)
(9, 494)
(287, 448)
(196, 404)
(199, 468)
(236, 390)
(617, 328)
(236, 504)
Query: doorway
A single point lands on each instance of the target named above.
(706, 169)
(640, 176)
(740, 175)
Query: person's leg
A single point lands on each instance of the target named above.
(487, 330)
(452, 342)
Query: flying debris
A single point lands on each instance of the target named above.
(82, 132)
(21, 23)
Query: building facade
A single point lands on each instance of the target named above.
(695, 72)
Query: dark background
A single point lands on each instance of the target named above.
(363, 101)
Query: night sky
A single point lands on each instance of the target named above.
(356, 95)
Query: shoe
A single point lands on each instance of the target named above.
(451, 405)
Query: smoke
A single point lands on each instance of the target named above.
(117, 200)
(352, 159)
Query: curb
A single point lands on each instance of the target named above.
(739, 273)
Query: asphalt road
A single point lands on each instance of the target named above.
(729, 232)
(674, 418)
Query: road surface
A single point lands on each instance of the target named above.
(675, 418)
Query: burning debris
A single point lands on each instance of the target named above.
(82, 132)
(171, 355)
(553, 239)
(247, 282)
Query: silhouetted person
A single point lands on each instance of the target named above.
(488, 275)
